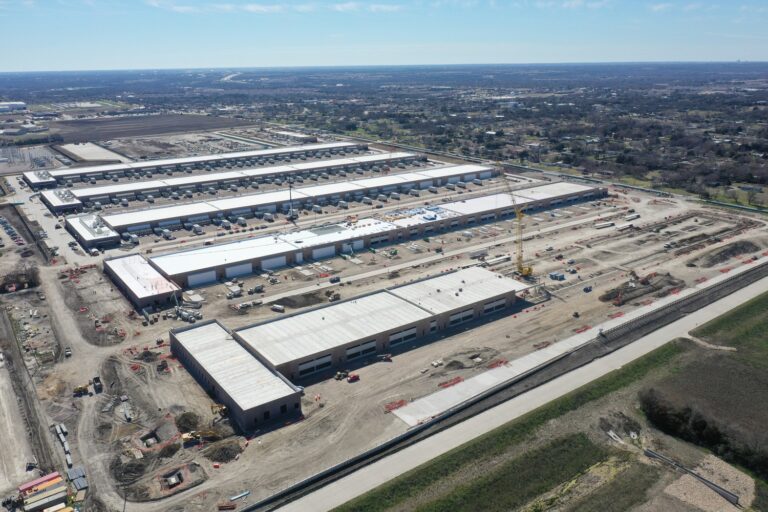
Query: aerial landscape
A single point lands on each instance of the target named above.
(432, 256)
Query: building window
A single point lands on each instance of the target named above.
(266, 415)
(296, 405)
(283, 409)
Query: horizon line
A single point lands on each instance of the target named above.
(373, 66)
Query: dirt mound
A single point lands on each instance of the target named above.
(636, 287)
(148, 356)
(130, 471)
(187, 422)
(726, 252)
(302, 301)
(223, 451)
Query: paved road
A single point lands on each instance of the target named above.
(381, 471)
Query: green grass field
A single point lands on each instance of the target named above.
(623, 492)
(522, 479)
(395, 493)
(745, 328)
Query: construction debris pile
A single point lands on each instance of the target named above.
(659, 284)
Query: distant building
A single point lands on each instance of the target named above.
(10, 106)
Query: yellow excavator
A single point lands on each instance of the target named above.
(195, 436)
(219, 409)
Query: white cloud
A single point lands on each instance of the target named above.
(659, 7)
(385, 8)
(346, 7)
(273, 8)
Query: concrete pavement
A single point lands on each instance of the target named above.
(372, 476)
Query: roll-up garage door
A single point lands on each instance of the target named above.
(238, 270)
(468, 177)
(299, 257)
(201, 278)
(270, 263)
(485, 175)
(346, 248)
(454, 179)
(358, 245)
(324, 252)
(140, 227)
(314, 365)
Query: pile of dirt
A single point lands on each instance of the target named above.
(169, 450)
(302, 301)
(129, 471)
(148, 356)
(187, 422)
(724, 253)
(223, 451)
(636, 287)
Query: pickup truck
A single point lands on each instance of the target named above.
(67, 352)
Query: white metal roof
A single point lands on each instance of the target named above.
(90, 228)
(483, 203)
(559, 188)
(327, 235)
(76, 171)
(453, 291)
(441, 172)
(260, 199)
(60, 199)
(236, 371)
(140, 277)
(317, 332)
(215, 177)
(184, 262)
(117, 220)
(416, 216)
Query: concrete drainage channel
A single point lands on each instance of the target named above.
(608, 341)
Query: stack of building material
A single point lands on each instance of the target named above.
(43, 493)
(77, 477)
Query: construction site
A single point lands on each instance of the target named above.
(204, 353)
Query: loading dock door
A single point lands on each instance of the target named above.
(299, 257)
(358, 245)
(238, 270)
(324, 252)
(485, 175)
(270, 263)
(454, 179)
(201, 278)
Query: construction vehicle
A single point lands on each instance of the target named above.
(341, 375)
(385, 357)
(522, 269)
(219, 409)
(97, 385)
(80, 390)
(194, 437)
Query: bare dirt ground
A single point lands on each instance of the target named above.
(17, 453)
(104, 129)
(344, 419)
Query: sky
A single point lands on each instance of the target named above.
(54, 35)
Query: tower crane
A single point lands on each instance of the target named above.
(522, 269)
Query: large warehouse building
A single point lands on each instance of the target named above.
(61, 200)
(202, 212)
(44, 179)
(206, 265)
(201, 266)
(334, 335)
(141, 282)
(254, 394)
(246, 370)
